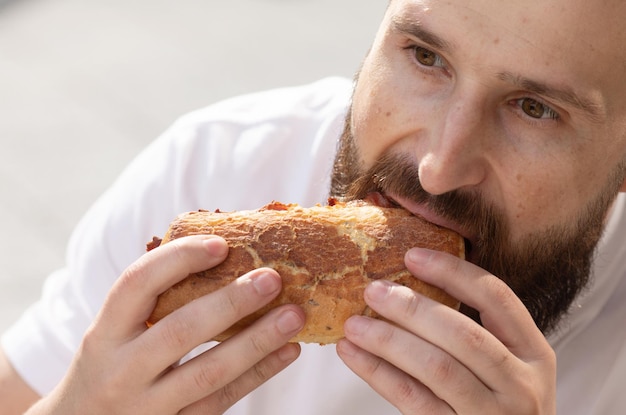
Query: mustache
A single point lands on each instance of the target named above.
(397, 175)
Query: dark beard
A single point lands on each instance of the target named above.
(547, 270)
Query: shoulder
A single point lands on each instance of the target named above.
(266, 144)
(316, 100)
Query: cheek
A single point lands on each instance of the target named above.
(385, 111)
(541, 183)
(541, 196)
(373, 115)
(534, 200)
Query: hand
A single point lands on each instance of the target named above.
(124, 368)
(434, 360)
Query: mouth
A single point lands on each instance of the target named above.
(426, 213)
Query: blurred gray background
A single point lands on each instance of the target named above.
(85, 85)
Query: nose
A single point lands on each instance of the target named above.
(455, 156)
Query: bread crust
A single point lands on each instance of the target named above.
(326, 256)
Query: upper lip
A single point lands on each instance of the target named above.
(423, 211)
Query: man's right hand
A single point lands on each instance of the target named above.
(122, 367)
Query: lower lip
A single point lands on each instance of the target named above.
(420, 210)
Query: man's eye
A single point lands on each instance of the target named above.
(427, 57)
(536, 109)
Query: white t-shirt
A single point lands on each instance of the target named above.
(241, 154)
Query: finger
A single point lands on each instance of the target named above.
(501, 311)
(498, 352)
(226, 397)
(223, 364)
(403, 391)
(133, 296)
(204, 318)
(447, 378)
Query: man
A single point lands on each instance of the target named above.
(501, 120)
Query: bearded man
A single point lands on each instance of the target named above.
(503, 121)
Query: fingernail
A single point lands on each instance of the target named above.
(288, 322)
(216, 246)
(378, 290)
(265, 283)
(357, 325)
(418, 256)
(288, 352)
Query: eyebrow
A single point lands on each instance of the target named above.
(412, 27)
(565, 95)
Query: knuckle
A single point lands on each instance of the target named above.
(260, 343)
(443, 264)
(545, 357)
(229, 302)
(501, 361)
(375, 366)
(407, 392)
(208, 377)
(234, 391)
(386, 334)
(228, 395)
(91, 344)
(472, 336)
(134, 276)
(501, 292)
(177, 251)
(175, 331)
(262, 372)
(412, 304)
(440, 366)
(411, 396)
(549, 359)
(452, 264)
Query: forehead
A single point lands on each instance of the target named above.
(571, 24)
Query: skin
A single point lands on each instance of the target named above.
(463, 123)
